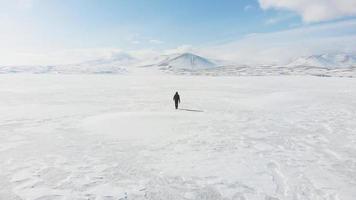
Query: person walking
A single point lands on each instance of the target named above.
(176, 99)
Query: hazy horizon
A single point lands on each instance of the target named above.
(36, 32)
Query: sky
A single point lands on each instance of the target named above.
(246, 31)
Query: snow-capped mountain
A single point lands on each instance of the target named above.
(187, 61)
(114, 64)
(325, 61)
(335, 65)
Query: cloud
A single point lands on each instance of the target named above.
(278, 19)
(253, 49)
(259, 48)
(314, 10)
(248, 7)
(18, 4)
(144, 40)
(180, 49)
(280, 47)
(25, 3)
(153, 41)
(135, 42)
(55, 57)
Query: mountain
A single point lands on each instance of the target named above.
(114, 64)
(330, 61)
(333, 65)
(187, 61)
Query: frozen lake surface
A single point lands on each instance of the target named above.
(110, 137)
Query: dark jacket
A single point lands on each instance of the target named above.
(176, 98)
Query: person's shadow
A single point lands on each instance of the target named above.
(190, 110)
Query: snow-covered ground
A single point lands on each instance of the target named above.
(116, 137)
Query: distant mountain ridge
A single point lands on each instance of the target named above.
(324, 65)
(114, 64)
(336, 65)
(339, 60)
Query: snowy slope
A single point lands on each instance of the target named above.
(271, 70)
(65, 69)
(26, 69)
(188, 61)
(325, 61)
(156, 60)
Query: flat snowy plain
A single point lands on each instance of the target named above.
(110, 137)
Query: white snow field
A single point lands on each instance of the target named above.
(111, 137)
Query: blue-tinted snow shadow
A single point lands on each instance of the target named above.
(191, 110)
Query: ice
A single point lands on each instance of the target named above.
(119, 137)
